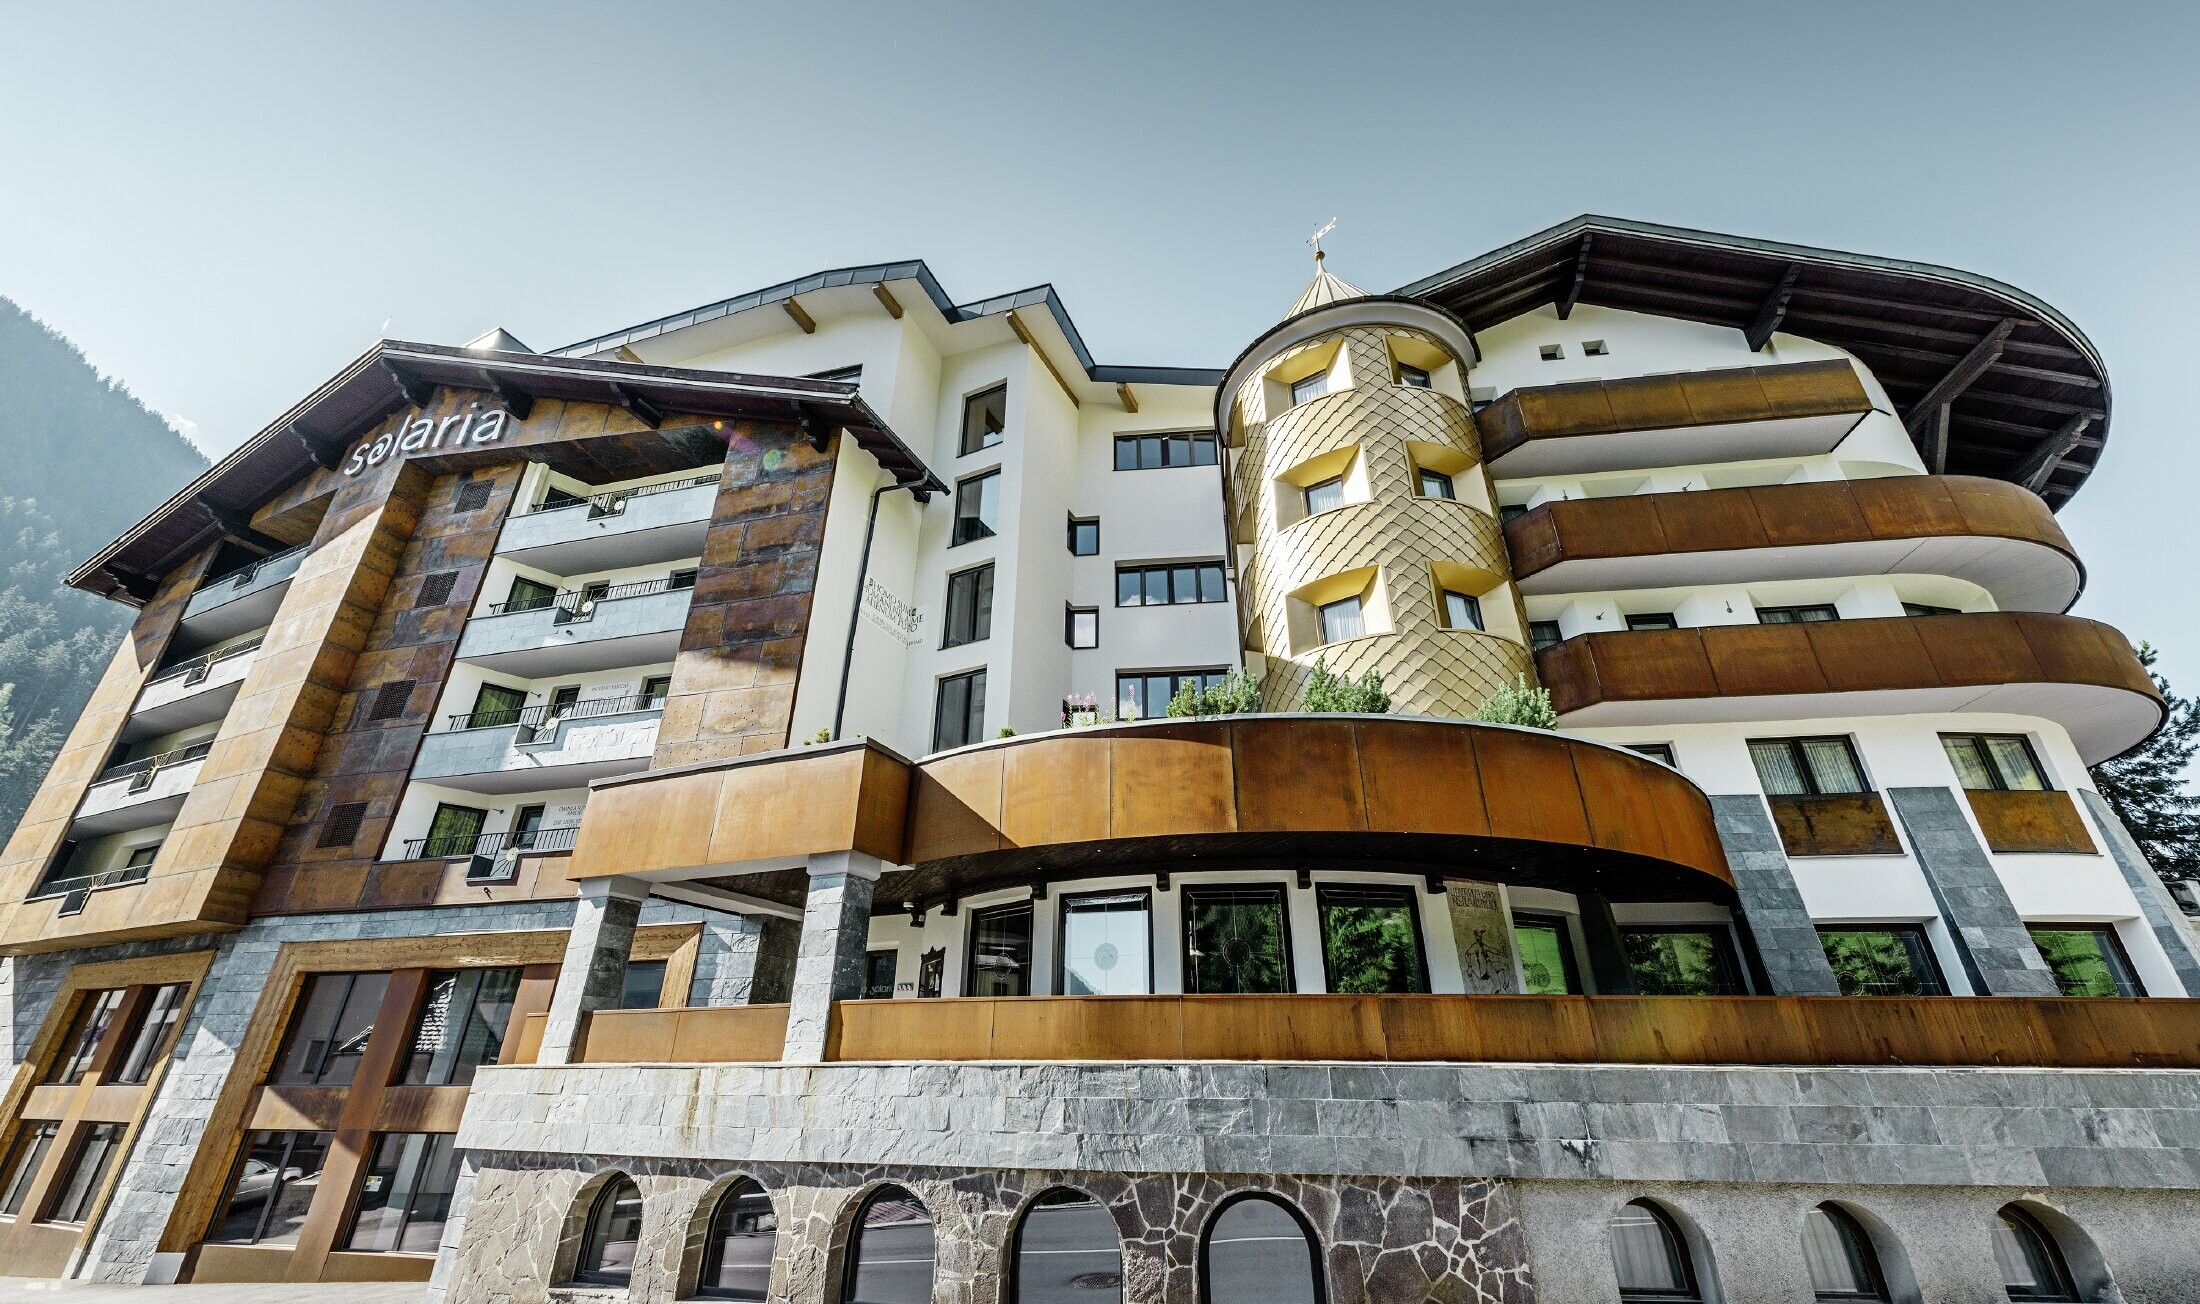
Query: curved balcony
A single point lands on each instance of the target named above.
(634, 527)
(1737, 414)
(2078, 673)
(1996, 535)
(243, 599)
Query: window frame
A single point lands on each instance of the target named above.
(979, 914)
(1199, 581)
(1724, 943)
(1569, 963)
(1077, 523)
(301, 1007)
(871, 958)
(1402, 374)
(1692, 1292)
(2119, 958)
(975, 485)
(1069, 627)
(1923, 950)
(1424, 476)
(1662, 753)
(1652, 621)
(1473, 607)
(465, 1001)
(1316, 1253)
(1803, 767)
(852, 1257)
(1196, 441)
(65, 1186)
(1790, 613)
(591, 1247)
(447, 1142)
(151, 1032)
(974, 696)
(1317, 381)
(1853, 1231)
(2066, 1285)
(26, 1156)
(975, 585)
(971, 404)
(1978, 742)
(1536, 631)
(1176, 680)
(276, 1185)
(1306, 495)
(1359, 615)
(1012, 1284)
(1061, 931)
(1194, 891)
(711, 1262)
(1325, 892)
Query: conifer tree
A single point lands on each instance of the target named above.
(2146, 785)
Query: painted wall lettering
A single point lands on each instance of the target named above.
(472, 426)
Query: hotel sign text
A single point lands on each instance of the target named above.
(469, 427)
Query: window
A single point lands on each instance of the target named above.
(141, 858)
(31, 1145)
(496, 705)
(958, 716)
(1257, 1251)
(1807, 767)
(81, 1042)
(1994, 762)
(642, 987)
(1081, 627)
(527, 827)
(1551, 352)
(271, 1188)
(335, 1016)
(2087, 959)
(932, 972)
(1325, 495)
(1342, 619)
(969, 607)
(1649, 1256)
(1887, 960)
(684, 578)
(977, 508)
(1236, 939)
(985, 416)
(737, 1250)
(2032, 1266)
(1511, 512)
(890, 1252)
(1543, 634)
(655, 689)
(1682, 961)
(455, 830)
(1000, 951)
(1371, 940)
(86, 1169)
(1461, 610)
(1066, 1249)
(1106, 945)
(1921, 609)
(1659, 752)
(1653, 620)
(529, 595)
(1308, 388)
(609, 1238)
(1546, 951)
(406, 1194)
(1156, 586)
(1802, 615)
(1839, 1254)
(1593, 348)
(1084, 537)
(461, 1026)
(145, 1041)
(1145, 695)
(1157, 452)
(878, 975)
(1435, 484)
(1413, 377)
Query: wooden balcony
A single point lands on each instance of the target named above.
(2079, 673)
(1999, 536)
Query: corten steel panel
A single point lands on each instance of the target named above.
(669, 823)
(364, 1267)
(283, 1108)
(956, 806)
(1093, 1028)
(1295, 775)
(731, 1034)
(1420, 777)
(1801, 389)
(1862, 655)
(768, 811)
(1988, 647)
(1537, 797)
(420, 1109)
(881, 1030)
(1622, 799)
(2030, 821)
(1172, 779)
(1849, 824)
(1750, 660)
(1056, 793)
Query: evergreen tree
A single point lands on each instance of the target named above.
(1326, 690)
(1516, 703)
(2146, 785)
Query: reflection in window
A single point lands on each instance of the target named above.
(330, 1030)
(2087, 959)
(1107, 944)
(1325, 495)
(1160, 586)
(643, 987)
(1258, 1252)
(1807, 767)
(80, 1181)
(878, 975)
(31, 1145)
(1308, 388)
(1146, 696)
(1994, 761)
(144, 1041)
(985, 416)
(1371, 940)
(977, 508)
(81, 1042)
(737, 1250)
(272, 1188)
(1682, 961)
(1000, 951)
(969, 607)
(462, 1025)
(1546, 956)
(406, 1195)
(890, 1251)
(613, 1231)
(2032, 1266)
(1412, 377)
(1435, 484)
(1155, 452)
(1235, 940)
(1805, 615)
(1842, 1264)
(959, 711)
(1084, 537)
(1895, 960)
(1067, 1252)
(1462, 610)
(1649, 1256)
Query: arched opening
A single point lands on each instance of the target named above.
(2031, 1260)
(737, 1245)
(890, 1251)
(1067, 1252)
(1650, 1257)
(611, 1235)
(1259, 1250)
(1843, 1265)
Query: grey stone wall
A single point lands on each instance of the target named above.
(828, 967)
(2164, 919)
(1779, 923)
(1998, 954)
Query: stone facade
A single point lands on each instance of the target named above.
(1997, 952)
(2156, 906)
(1772, 906)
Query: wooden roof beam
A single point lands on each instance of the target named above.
(886, 300)
(1572, 294)
(1023, 332)
(517, 401)
(801, 315)
(317, 448)
(1929, 416)
(2037, 469)
(238, 525)
(1129, 399)
(1773, 311)
(418, 390)
(639, 407)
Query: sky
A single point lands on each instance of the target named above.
(222, 204)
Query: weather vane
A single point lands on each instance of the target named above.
(1316, 239)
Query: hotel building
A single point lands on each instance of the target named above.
(733, 808)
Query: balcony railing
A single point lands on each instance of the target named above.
(544, 717)
(241, 578)
(140, 772)
(575, 605)
(200, 666)
(613, 503)
(88, 883)
(450, 847)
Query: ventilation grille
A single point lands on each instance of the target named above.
(390, 701)
(343, 824)
(436, 589)
(473, 495)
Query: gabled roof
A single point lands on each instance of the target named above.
(2024, 391)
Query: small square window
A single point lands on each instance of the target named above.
(1653, 620)
(1308, 388)
(1084, 537)
(1435, 484)
(1321, 497)
(1543, 634)
(1511, 512)
(1593, 348)
(1342, 619)
(1660, 752)
(1552, 352)
(1082, 627)
(1462, 611)
(1413, 377)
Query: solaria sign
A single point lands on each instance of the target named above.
(472, 426)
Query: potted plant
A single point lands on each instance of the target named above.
(1080, 711)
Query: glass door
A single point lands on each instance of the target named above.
(1107, 945)
(453, 832)
(496, 705)
(1236, 939)
(1000, 951)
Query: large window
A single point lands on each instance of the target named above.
(1257, 1251)
(2032, 1266)
(1839, 1255)
(977, 508)
(1803, 615)
(1343, 619)
(1807, 767)
(969, 606)
(454, 831)
(1000, 951)
(461, 1027)
(737, 1250)
(1067, 1252)
(144, 1042)
(335, 1016)
(1160, 586)
(81, 1042)
(87, 1169)
(31, 1145)
(878, 974)
(1682, 961)
(985, 416)
(1155, 452)
(1650, 1258)
(406, 1195)
(1989, 762)
(610, 1236)
(529, 595)
(1144, 695)
(1546, 951)
(958, 715)
(1884, 960)
(2087, 959)
(271, 1188)
(1107, 945)
(890, 1252)
(1371, 939)
(1236, 939)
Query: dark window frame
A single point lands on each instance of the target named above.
(1321, 619)
(407, 1216)
(1803, 767)
(973, 722)
(1425, 476)
(2066, 1285)
(1306, 495)
(1932, 976)
(276, 1185)
(1077, 523)
(1069, 627)
(1692, 1293)
(1402, 373)
(1473, 605)
(1875, 1291)
(1653, 621)
(1325, 892)
(992, 437)
(592, 1248)
(1201, 448)
(2120, 957)
(712, 1260)
(1193, 891)
(1169, 569)
(1061, 931)
(1985, 754)
(70, 1202)
(1311, 378)
(1792, 614)
(1725, 944)
(852, 1259)
(1316, 1255)
(1012, 1286)
(1662, 753)
(871, 958)
(1030, 909)
(979, 528)
(974, 585)
(1176, 678)
(1540, 630)
(1568, 961)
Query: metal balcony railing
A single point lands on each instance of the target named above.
(242, 577)
(574, 605)
(85, 884)
(613, 503)
(544, 717)
(200, 666)
(140, 772)
(449, 847)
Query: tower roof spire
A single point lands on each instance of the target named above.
(1324, 288)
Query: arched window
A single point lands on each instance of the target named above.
(2032, 1266)
(1259, 1251)
(737, 1249)
(1650, 1257)
(889, 1251)
(1067, 1252)
(1842, 1262)
(613, 1231)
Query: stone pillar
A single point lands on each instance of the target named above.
(594, 970)
(828, 966)
(1792, 959)
(1997, 952)
(2164, 919)
(1609, 971)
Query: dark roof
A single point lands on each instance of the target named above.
(322, 424)
(2036, 412)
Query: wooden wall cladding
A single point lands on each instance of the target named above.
(1796, 389)
(1847, 824)
(717, 1034)
(2030, 822)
